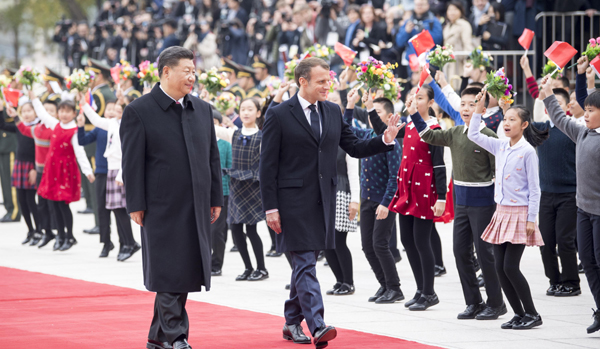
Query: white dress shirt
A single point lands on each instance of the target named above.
(305, 108)
(180, 101)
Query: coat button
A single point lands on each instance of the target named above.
(320, 176)
(319, 202)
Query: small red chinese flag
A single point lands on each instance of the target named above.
(413, 61)
(346, 53)
(424, 75)
(12, 96)
(422, 42)
(526, 38)
(560, 53)
(595, 63)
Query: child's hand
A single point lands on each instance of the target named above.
(119, 183)
(80, 120)
(91, 177)
(546, 87)
(440, 77)
(32, 177)
(32, 95)
(438, 208)
(467, 69)
(582, 64)
(504, 105)
(480, 102)
(381, 212)
(525, 66)
(368, 100)
(411, 105)
(530, 228)
(353, 97)
(590, 74)
(344, 79)
(10, 111)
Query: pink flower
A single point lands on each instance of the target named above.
(598, 39)
(452, 56)
(443, 47)
(592, 41)
(28, 68)
(364, 69)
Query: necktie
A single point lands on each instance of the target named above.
(314, 121)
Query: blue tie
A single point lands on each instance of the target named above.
(314, 121)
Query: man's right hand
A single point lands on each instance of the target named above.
(274, 222)
(138, 217)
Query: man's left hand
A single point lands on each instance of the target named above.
(215, 212)
(393, 128)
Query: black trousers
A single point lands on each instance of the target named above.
(340, 259)
(26, 199)
(415, 234)
(170, 321)
(124, 227)
(514, 284)
(103, 213)
(469, 224)
(558, 225)
(588, 243)
(394, 241)
(375, 238)
(218, 231)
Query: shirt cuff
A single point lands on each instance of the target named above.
(444, 201)
(446, 90)
(531, 217)
(590, 91)
(386, 143)
(272, 211)
(370, 110)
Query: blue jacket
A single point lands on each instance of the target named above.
(429, 22)
(99, 136)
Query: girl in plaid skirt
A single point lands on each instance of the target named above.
(245, 204)
(517, 194)
(24, 175)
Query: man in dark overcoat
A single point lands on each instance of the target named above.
(298, 179)
(172, 176)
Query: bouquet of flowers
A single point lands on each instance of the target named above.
(213, 81)
(480, 59)
(148, 73)
(593, 49)
(225, 102)
(290, 68)
(27, 76)
(123, 71)
(273, 83)
(374, 73)
(392, 90)
(79, 81)
(4, 82)
(498, 86)
(440, 56)
(550, 68)
(334, 82)
(319, 51)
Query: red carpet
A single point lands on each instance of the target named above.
(51, 312)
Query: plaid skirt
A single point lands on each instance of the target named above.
(20, 175)
(115, 194)
(245, 204)
(509, 224)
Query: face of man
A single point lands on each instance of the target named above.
(261, 73)
(316, 87)
(421, 6)
(179, 79)
(480, 4)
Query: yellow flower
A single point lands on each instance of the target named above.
(378, 72)
(390, 75)
(479, 47)
(552, 64)
(223, 83)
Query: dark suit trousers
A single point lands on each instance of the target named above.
(305, 300)
(588, 243)
(469, 224)
(170, 321)
(558, 225)
(103, 213)
(375, 237)
(219, 237)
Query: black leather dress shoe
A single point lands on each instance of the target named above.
(181, 344)
(87, 210)
(413, 300)
(510, 323)
(378, 294)
(68, 244)
(335, 288)
(471, 311)
(596, 325)
(323, 335)
(28, 238)
(258, 275)
(528, 322)
(245, 275)
(57, 244)
(439, 271)
(126, 254)
(425, 302)
(567, 291)
(492, 313)
(46, 239)
(390, 296)
(37, 236)
(106, 249)
(288, 286)
(344, 290)
(295, 334)
(551, 291)
(216, 272)
(152, 344)
(94, 230)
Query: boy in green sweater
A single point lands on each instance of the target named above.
(474, 207)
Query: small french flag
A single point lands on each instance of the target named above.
(90, 100)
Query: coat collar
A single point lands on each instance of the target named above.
(164, 101)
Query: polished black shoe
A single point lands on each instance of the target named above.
(596, 325)
(87, 210)
(28, 238)
(425, 302)
(8, 219)
(551, 291)
(510, 323)
(37, 237)
(528, 322)
(94, 230)
(567, 291)
(57, 244)
(276, 254)
(335, 288)
(216, 272)
(580, 269)
(258, 275)
(152, 344)
(471, 311)
(321, 255)
(413, 300)
(181, 344)
(126, 254)
(269, 253)
(106, 249)
(378, 294)
(481, 281)
(439, 271)
(136, 247)
(68, 244)
(46, 239)
(323, 335)
(295, 334)
(492, 313)
(288, 286)
(390, 296)
(245, 275)
(344, 290)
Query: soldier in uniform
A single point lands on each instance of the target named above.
(8, 147)
(261, 75)
(50, 94)
(245, 82)
(129, 88)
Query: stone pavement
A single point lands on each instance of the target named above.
(565, 319)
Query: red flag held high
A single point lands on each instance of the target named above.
(560, 53)
(422, 42)
(413, 61)
(526, 37)
(424, 74)
(346, 53)
(12, 96)
(595, 63)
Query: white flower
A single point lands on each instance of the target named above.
(203, 76)
(445, 53)
(387, 87)
(213, 79)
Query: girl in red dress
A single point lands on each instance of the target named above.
(421, 196)
(61, 181)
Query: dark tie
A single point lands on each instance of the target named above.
(314, 121)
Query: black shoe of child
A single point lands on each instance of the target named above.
(439, 271)
(127, 253)
(58, 244)
(551, 291)
(492, 313)
(258, 275)
(528, 322)
(414, 299)
(106, 249)
(567, 291)
(596, 325)
(245, 275)
(28, 238)
(68, 244)
(510, 323)
(37, 236)
(425, 302)
(335, 288)
(344, 290)
(378, 294)
(46, 239)
(471, 311)
(216, 272)
(390, 296)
